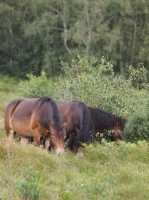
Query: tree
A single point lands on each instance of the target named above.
(36, 36)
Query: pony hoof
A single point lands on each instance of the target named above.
(80, 154)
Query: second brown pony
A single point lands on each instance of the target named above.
(77, 118)
(35, 118)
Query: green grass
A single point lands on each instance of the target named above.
(108, 171)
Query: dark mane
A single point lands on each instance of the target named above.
(56, 116)
(41, 100)
(84, 134)
(44, 105)
(105, 119)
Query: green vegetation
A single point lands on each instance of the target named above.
(107, 170)
(36, 86)
(8, 91)
(96, 84)
(138, 126)
(36, 35)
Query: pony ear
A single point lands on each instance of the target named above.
(77, 130)
(51, 125)
(65, 124)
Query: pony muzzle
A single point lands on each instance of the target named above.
(59, 151)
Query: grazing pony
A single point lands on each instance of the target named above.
(77, 119)
(103, 120)
(33, 118)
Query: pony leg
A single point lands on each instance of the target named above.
(71, 141)
(23, 141)
(10, 136)
(36, 137)
(47, 144)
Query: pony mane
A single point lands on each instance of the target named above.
(45, 112)
(41, 100)
(56, 116)
(105, 119)
(84, 134)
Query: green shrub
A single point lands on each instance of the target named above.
(35, 86)
(97, 189)
(28, 184)
(96, 84)
(137, 127)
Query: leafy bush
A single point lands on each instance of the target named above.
(137, 127)
(94, 83)
(28, 184)
(97, 85)
(35, 86)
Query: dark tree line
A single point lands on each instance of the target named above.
(37, 34)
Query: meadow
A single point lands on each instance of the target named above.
(108, 170)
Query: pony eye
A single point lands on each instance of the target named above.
(53, 137)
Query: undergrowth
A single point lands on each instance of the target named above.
(106, 171)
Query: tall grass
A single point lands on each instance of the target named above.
(107, 171)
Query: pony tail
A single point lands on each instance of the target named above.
(9, 111)
(84, 135)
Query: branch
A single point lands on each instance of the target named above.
(62, 16)
(65, 29)
(88, 30)
(60, 29)
(54, 9)
(134, 37)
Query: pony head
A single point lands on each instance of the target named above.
(116, 133)
(57, 138)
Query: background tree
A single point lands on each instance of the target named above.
(37, 35)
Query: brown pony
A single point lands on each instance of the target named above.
(76, 116)
(103, 120)
(33, 118)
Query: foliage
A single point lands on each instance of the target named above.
(28, 184)
(138, 125)
(92, 190)
(96, 84)
(35, 35)
(138, 76)
(35, 86)
(107, 170)
(8, 91)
